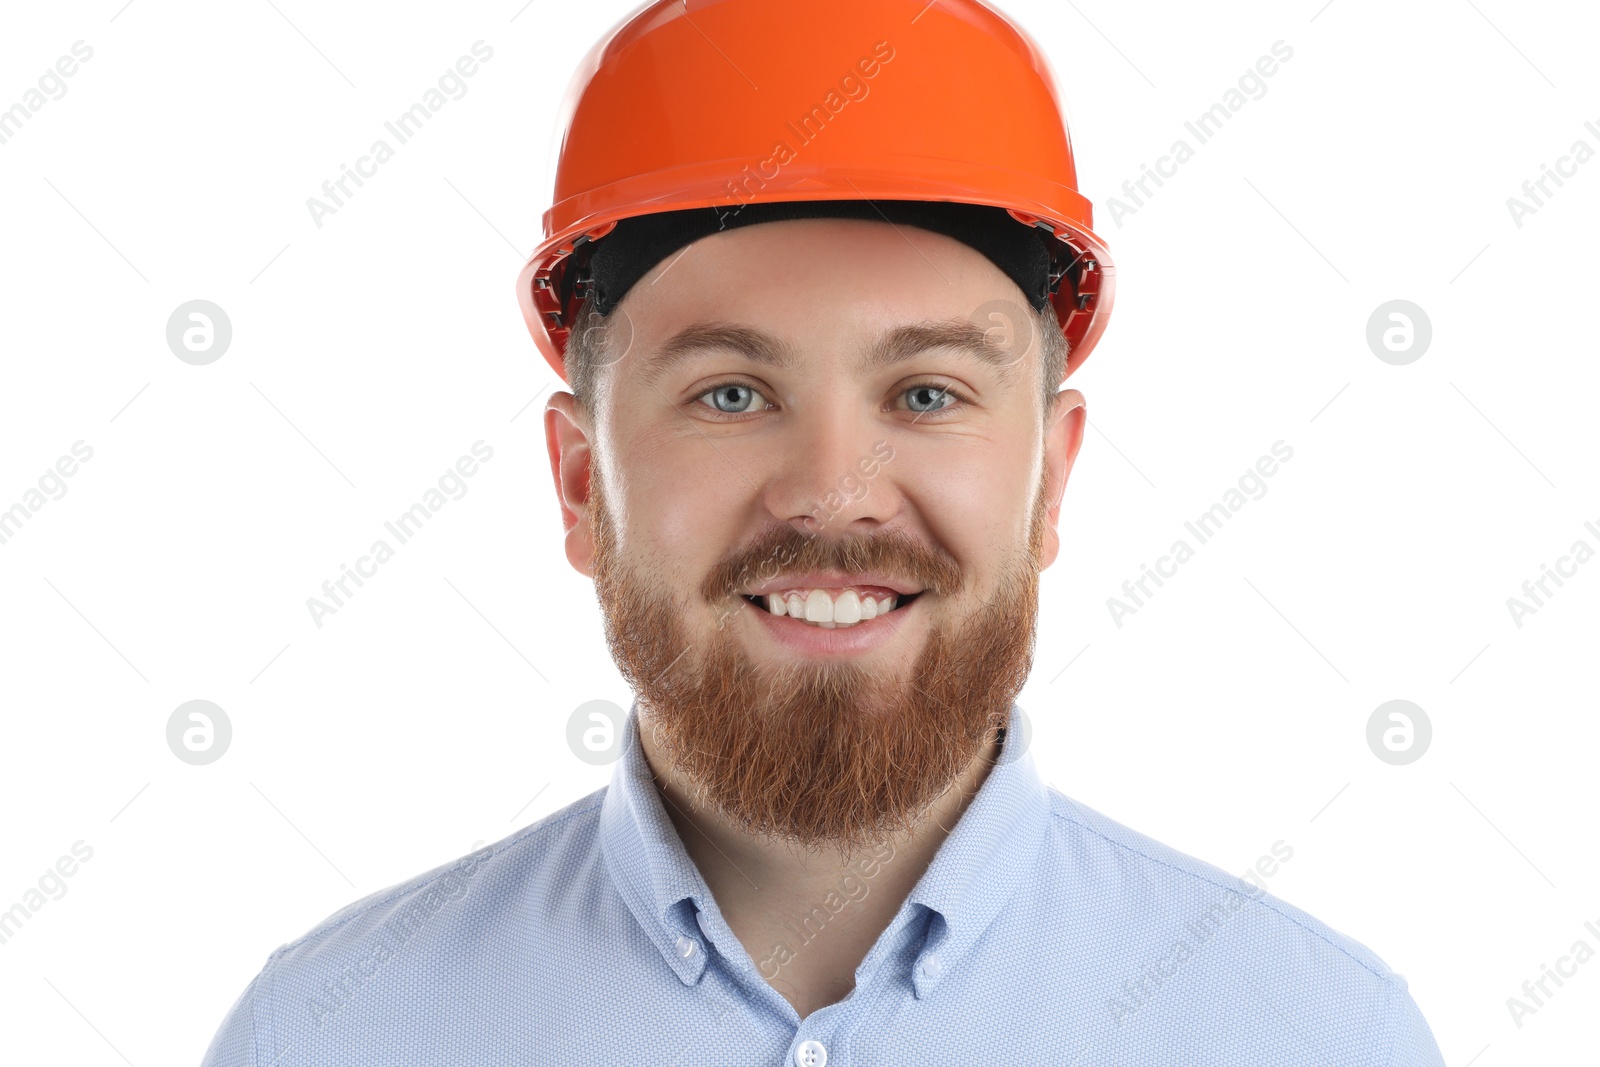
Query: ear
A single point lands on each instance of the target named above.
(566, 434)
(1064, 424)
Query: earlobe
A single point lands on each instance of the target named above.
(567, 442)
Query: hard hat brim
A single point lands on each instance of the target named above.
(1083, 308)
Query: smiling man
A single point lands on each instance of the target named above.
(817, 679)
(814, 458)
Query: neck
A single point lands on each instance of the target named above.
(770, 891)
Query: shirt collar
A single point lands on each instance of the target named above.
(648, 863)
(985, 859)
(977, 869)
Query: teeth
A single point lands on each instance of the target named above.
(847, 609)
(820, 608)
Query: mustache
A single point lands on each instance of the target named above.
(784, 548)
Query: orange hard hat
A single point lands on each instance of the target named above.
(723, 103)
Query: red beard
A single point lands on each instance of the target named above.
(819, 753)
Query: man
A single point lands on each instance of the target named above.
(814, 459)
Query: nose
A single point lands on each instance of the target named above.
(832, 476)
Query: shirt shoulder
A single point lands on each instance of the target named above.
(1248, 942)
(427, 921)
(565, 835)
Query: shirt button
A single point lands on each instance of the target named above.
(811, 1054)
(685, 946)
(930, 966)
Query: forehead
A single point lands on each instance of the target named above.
(803, 289)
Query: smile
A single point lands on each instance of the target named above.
(831, 608)
(816, 638)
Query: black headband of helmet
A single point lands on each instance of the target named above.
(608, 267)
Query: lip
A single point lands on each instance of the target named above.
(810, 640)
(833, 580)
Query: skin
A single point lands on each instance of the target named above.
(687, 484)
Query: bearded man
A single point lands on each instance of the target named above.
(813, 456)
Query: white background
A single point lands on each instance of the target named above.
(430, 712)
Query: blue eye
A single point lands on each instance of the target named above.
(741, 399)
(928, 398)
(733, 399)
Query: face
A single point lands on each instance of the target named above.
(815, 495)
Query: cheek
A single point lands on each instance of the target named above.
(679, 513)
(976, 505)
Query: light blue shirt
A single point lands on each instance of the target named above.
(1042, 933)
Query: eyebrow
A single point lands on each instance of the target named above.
(894, 346)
